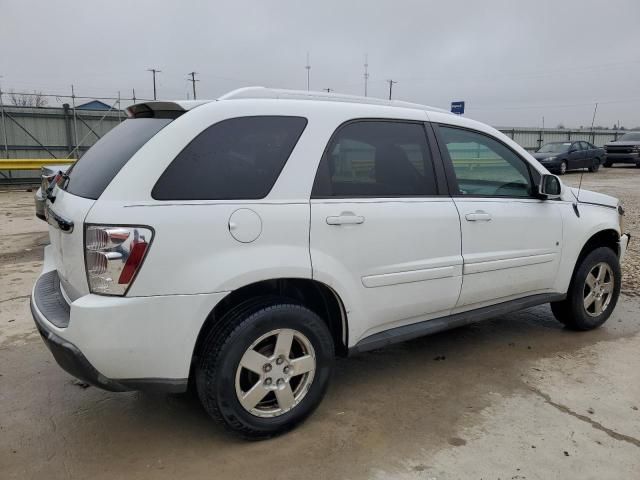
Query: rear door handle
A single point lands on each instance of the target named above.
(478, 216)
(345, 218)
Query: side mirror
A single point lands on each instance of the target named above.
(550, 187)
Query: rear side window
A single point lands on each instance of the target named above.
(90, 175)
(239, 158)
(375, 158)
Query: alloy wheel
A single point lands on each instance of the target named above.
(275, 373)
(598, 289)
(563, 168)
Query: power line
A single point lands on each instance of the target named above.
(391, 82)
(551, 105)
(154, 71)
(193, 82)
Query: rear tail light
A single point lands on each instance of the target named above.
(113, 256)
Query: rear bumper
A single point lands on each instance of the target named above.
(40, 204)
(70, 358)
(121, 343)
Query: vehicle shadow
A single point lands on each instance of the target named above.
(419, 392)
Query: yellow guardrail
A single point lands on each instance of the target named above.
(32, 163)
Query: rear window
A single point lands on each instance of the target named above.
(239, 158)
(90, 175)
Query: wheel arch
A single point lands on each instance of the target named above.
(315, 295)
(607, 237)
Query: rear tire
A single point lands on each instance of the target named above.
(593, 292)
(247, 377)
(607, 164)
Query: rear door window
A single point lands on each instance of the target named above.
(238, 158)
(376, 158)
(90, 175)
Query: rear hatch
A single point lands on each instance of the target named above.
(74, 193)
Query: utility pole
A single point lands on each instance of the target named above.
(308, 67)
(154, 71)
(391, 82)
(366, 73)
(4, 125)
(193, 82)
(134, 94)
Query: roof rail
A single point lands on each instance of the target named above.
(276, 93)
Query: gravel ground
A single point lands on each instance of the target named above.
(624, 183)
(515, 397)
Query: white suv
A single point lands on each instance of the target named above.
(239, 245)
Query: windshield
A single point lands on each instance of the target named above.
(555, 148)
(630, 137)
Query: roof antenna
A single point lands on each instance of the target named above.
(593, 119)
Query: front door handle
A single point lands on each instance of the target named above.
(478, 216)
(345, 218)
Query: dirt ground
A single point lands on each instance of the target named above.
(516, 397)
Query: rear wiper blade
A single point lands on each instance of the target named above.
(54, 181)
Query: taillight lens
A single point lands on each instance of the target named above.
(113, 256)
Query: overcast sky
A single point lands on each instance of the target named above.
(513, 62)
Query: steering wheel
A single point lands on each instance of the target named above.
(509, 187)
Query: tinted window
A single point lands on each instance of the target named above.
(630, 137)
(376, 159)
(585, 145)
(485, 167)
(90, 175)
(239, 158)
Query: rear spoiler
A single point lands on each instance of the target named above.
(159, 109)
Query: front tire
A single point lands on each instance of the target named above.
(563, 168)
(607, 164)
(595, 166)
(593, 292)
(267, 369)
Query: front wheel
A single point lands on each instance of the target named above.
(563, 168)
(268, 368)
(593, 292)
(595, 166)
(607, 164)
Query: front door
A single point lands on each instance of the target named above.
(381, 235)
(575, 159)
(510, 240)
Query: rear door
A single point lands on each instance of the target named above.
(72, 197)
(510, 240)
(589, 154)
(380, 232)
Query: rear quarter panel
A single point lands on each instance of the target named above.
(194, 252)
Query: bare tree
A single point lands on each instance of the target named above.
(35, 99)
